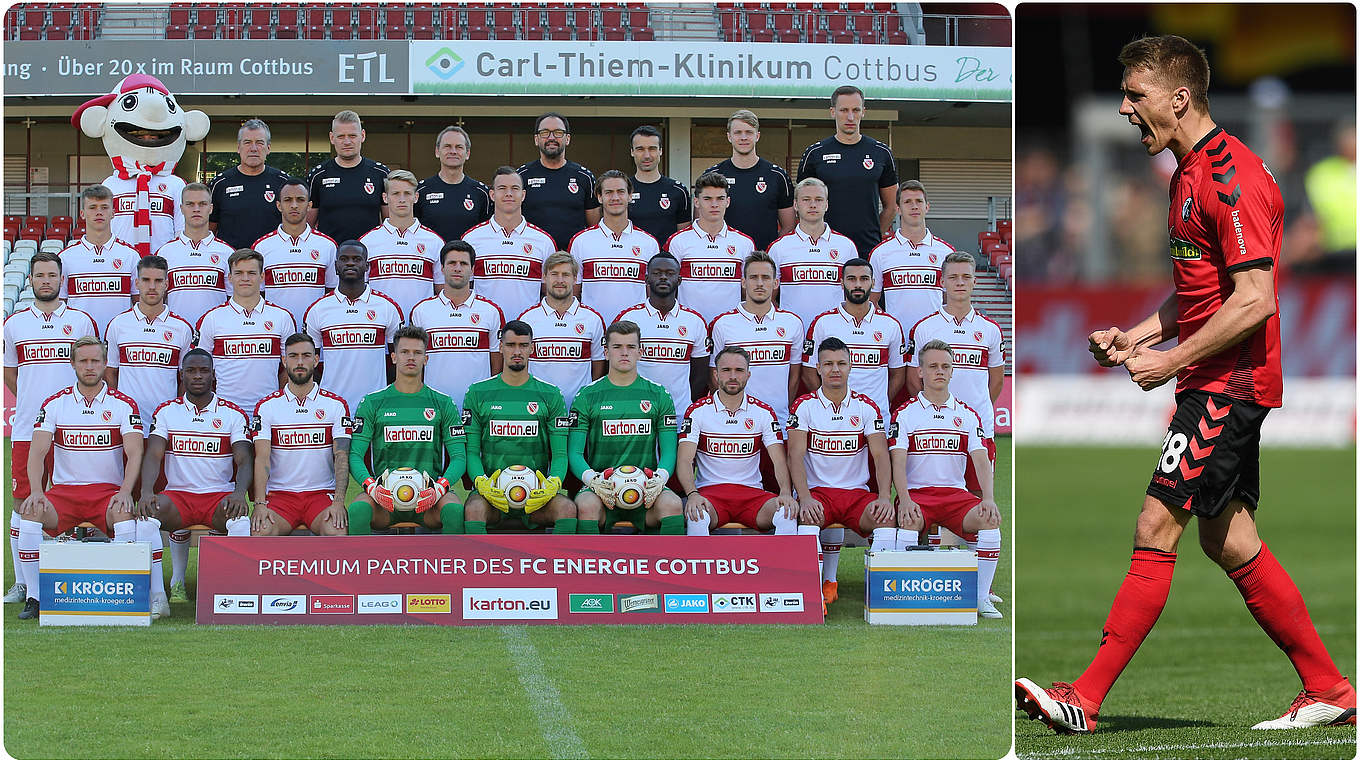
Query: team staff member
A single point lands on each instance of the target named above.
(450, 202)
(243, 197)
(197, 259)
(761, 191)
(613, 254)
(859, 171)
(147, 343)
(346, 191)
(299, 261)
(403, 259)
(98, 270)
(509, 265)
(660, 205)
(907, 264)
(464, 328)
(559, 195)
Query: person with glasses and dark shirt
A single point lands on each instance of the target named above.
(559, 195)
(347, 191)
(660, 205)
(243, 196)
(450, 202)
(761, 191)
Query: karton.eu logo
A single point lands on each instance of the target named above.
(444, 63)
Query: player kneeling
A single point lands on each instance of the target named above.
(302, 437)
(516, 419)
(407, 425)
(934, 435)
(725, 433)
(199, 439)
(624, 424)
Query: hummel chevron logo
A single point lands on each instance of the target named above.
(1221, 161)
(1225, 177)
(1189, 472)
(1218, 150)
(1214, 411)
(1104, 634)
(1206, 432)
(1231, 200)
(1197, 452)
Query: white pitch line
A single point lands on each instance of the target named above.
(553, 717)
(1070, 751)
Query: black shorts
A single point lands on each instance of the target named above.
(1211, 454)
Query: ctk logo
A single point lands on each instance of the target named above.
(444, 63)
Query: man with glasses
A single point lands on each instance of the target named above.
(559, 195)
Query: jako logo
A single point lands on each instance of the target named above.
(510, 604)
(444, 63)
(686, 603)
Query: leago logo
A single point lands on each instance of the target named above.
(509, 604)
(444, 63)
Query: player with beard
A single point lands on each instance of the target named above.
(567, 335)
(674, 337)
(559, 195)
(450, 202)
(464, 328)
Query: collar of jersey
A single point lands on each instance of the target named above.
(141, 315)
(306, 233)
(98, 399)
(523, 223)
(609, 234)
(212, 404)
(965, 319)
(209, 240)
(904, 240)
(391, 229)
(316, 391)
(720, 406)
(925, 403)
(364, 296)
(826, 234)
(575, 307)
(868, 318)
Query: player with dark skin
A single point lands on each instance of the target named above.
(663, 282)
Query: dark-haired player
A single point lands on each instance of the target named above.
(660, 205)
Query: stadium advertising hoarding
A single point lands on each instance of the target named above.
(509, 67)
(95, 583)
(472, 580)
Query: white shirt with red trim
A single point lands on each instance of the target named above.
(613, 267)
(197, 276)
(352, 337)
(565, 343)
(247, 348)
(297, 270)
(838, 438)
(773, 341)
(509, 267)
(39, 345)
(977, 344)
(147, 352)
(100, 280)
(937, 440)
(908, 275)
(198, 457)
(730, 441)
(87, 434)
(876, 345)
(810, 270)
(301, 434)
(404, 264)
(462, 338)
(167, 220)
(710, 266)
(669, 341)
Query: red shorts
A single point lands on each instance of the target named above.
(736, 503)
(18, 470)
(299, 507)
(970, 480)
(78, 504)
(944, 506)
(197, 508)
(844, 505)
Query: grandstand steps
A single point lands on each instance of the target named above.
(134, 21)
(992, 298)
(684, 21)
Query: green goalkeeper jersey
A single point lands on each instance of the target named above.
(615, 425)
(509, 424)
(422, 430)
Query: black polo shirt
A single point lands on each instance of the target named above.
(556, 200)
(451, 210)
(244, 205)
(659, 207)
(853, 175)
(757, 196)
(348, 201)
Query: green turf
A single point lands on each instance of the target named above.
(1207, 672)
(842, 689)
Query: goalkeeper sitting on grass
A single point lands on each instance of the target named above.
(407, 424)
(515, 418)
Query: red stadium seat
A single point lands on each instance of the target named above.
(259, 32)
(643, 34)
(341, 32)
(14, 220)
(559, 33)
(365, 32)
(423, 33)
(259, 17)
(62, 220)
(177, 32)
(395, 32)
(179, 14)
(312, 32)
(613, 18)
(987, 236)
(31, 233)
(638, 19)
(478, 33)
(285, 32)
(58, 32)
(316, 16)
(423, 15)
(557, 19)
(206, 15)
(1003, 226)
(392, 17)
(759, 35)
(30, 33)
(289, 16)
(615, 34)
(35, 221)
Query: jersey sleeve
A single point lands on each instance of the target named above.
(455, 440)
(701, 344)
(689, 427)
(1246, 222)
(309, 327)
(158, 423)
(259, 425)
(909, 347)
(898, 433)
(810, 346)
(806, 166)
(793, 422)
(239, 429)
(343, 427)
(11, 353)
(315, 187)
(131, 421)
(360, 440)
(772, 433)
(332, 279)
(873, 421)
(557, 435)
(44, 421)
(580, 419)
(684, 206)
(597, 342)
(897, 348)
(996, 349)
(218, 196)
(716, 343)
(876, 266)
(472, 433)
(975, 434)
(784, 199)
(592, 202)
(889, 176)
(665, 432)
(112, 340)
(484, 203)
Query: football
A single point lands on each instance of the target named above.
(405, 483)
(516, 481)
(628, 481)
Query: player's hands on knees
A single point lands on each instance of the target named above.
(601, 486)
(810, 511)
(989, 513)
(337, 515)
(121, 502)
(697, 507)
(259, 519)
(1110, 347)
(234, 505)
(654, 485)
(881, 510)
(788, 504)
(34, 506)
(1150, 368)
(375, 490)
(908, 512)
(148, 506)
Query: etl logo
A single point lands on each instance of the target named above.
(363, 65)
(687, 602)
(444, 63)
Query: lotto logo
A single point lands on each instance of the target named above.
(428, 603)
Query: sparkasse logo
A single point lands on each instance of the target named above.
(509, 604)
(332, 604)
(590, 603)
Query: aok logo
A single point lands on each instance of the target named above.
(444, 63)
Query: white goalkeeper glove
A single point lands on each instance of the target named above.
(653, 487)
(600, 483)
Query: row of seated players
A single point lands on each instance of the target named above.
(306, 446)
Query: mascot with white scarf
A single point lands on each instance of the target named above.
(144, 132)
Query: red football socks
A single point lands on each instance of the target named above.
(1278, 607)
(1136, 608)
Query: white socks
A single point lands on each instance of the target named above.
(149, 531)
(832, 540)
(238, 526)
(697, 527)
(125, 531)
(988, 553)
(30, 539)
(812, 530)
(783, 524)
(14, 520)
(179, 556)
(906, 538)
(883, 539)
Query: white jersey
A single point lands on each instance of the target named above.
(39, 345)
(937, 440)
(87, 436)
(669, 341)
(810, 270)
(247, 349)
(301, 433)
(297, 270)
(197, 275)
(710, 267)
(837, 438)
(167, 221)
(976, 343)
(100, 280)
(509, 268)
(198, 457)
(565, 344)
(730, 441)
(352, 337)
(613, 267)
(462, 339)
(876, 345)
(147, 353)
(908, 275)
(773, 341)
(404, 264)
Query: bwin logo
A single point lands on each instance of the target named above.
(444, 63)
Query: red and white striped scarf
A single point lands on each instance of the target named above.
(141, 214)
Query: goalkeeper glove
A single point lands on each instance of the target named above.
(600, 483)
(380, 496)
(655, 484)
(431, 495)
(539, 496)
(486, 487)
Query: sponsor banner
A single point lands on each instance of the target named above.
(1002, 408)
(94, 584)
(470, 580)
(921, 588)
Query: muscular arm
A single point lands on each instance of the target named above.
(888, 195)
(1158, 327)
(1252, 302)
(341, 463)
(684, 465)
(37, 456)
(897, 377)
(242, 456)
(794, 377)
(797, 462)
(261, 479)
(698, 376)
(883, 469)
(996, 377)
(780, 465)
(151, 465)
(132, 468)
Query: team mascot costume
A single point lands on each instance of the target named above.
(144, 132)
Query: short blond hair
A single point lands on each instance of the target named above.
(89, 340)
(346, 117)
(400, 175)
(744, 115)
(811, 182)
(562, 257)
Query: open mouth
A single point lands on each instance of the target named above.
(147, 138)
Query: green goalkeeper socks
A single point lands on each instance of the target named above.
(474, 527)
(588, 527)
(360, 518)
(564, 527)
(673, 525)
(451, 517)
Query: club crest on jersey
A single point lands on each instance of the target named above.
(878, 335)
(468, 204)
(760, 186)
(66, 329)
(977, 335)
(854, 420)
(645, 405)
(107, 415)
(637, 250)
(476, 318)
(933, 258)
(117, 263)
(532, 407)
(215, 258)
(321, 414)
(217, 423)
(371, 314)
(868, 163)
(750, 424)
(368, 186)
(168, 335)
(731, 250)
(269, 196)
(780, 331)
(429, 413)
(268, 324)
(834, 254)
(316, 255)
(682, 330)
(580, 329)
(528, 247)
(665, 202)
(572, 186)
(1185, 209)
(958, 421)
(420, 247)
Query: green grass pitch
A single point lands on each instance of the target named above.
(1207, 672)
(843, 689)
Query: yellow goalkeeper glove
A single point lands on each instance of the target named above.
(486, 486)
(543, 494)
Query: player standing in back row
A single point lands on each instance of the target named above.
(346, 191)
(1226, 224)
(559, 195)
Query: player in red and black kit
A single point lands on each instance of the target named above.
(1226, 225)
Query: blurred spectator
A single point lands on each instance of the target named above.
(1330, 184)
